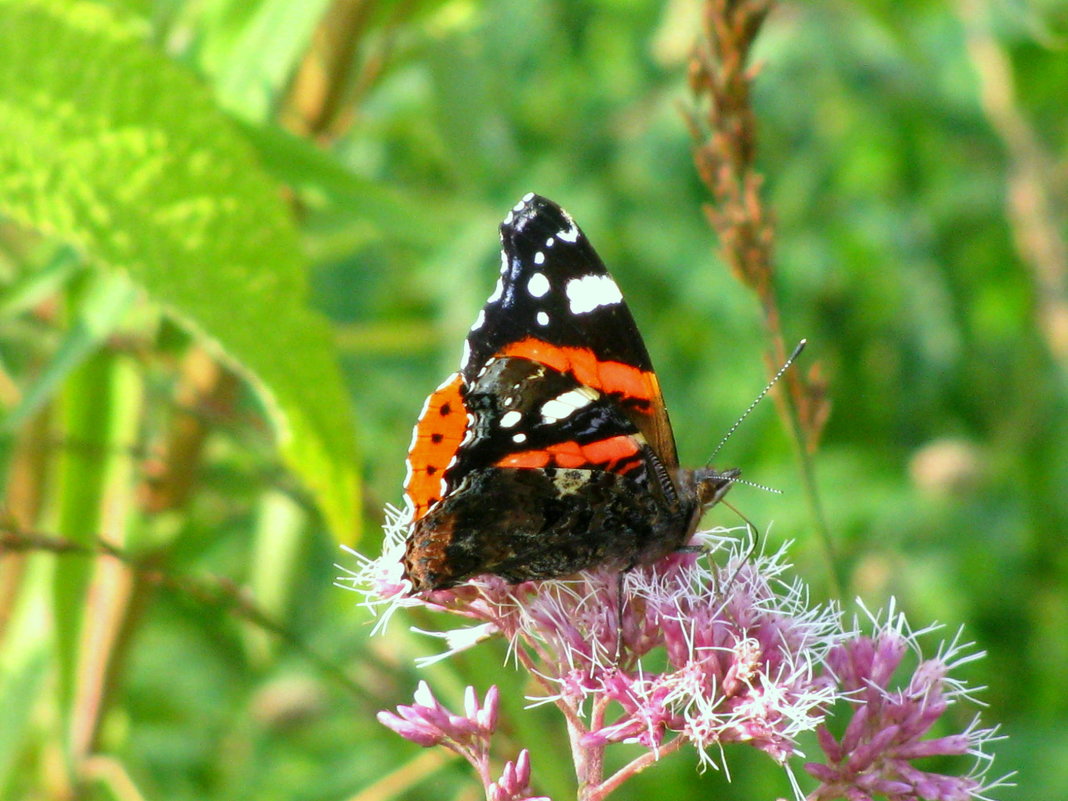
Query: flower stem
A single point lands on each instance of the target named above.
(589, 763)
(634, 767)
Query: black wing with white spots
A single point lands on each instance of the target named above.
(555, 303)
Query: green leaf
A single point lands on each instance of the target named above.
(108, 145)
(402, 218)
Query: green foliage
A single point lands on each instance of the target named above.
(144, 165)
(111, 147)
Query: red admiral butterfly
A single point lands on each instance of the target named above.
(550, 451)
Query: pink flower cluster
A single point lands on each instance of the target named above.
(738, 650)
(740, 656)
(889, 725)
(428, 723)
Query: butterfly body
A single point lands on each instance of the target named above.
(550, 451)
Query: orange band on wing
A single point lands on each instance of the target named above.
(435, 440)
(614, 449)
(607, 454)
(608, 377)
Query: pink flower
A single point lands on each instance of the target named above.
(514, 784)
(737, 649)
(889, 724)
(428, 723)
(707, 647)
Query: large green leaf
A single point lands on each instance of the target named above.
(107, 144)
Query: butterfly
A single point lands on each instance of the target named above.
(550, 451)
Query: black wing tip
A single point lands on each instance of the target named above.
(535, 215)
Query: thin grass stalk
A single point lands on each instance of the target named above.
(725, 154)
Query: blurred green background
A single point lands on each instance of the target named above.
(195, 192)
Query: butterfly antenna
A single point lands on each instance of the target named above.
(774, 379)
(753, 484)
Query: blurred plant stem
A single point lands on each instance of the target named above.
(107, 604)
(725, 154)
(321, 101)
(100, 413)
(400, 781)
(309, 108)
(326, 90)
(23, 499)
(113, 776)
(214, 592)
(202, 385)
(1030, 198)
(318, 91)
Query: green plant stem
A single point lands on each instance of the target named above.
(109, 625)
(88, 434)
(812, 496)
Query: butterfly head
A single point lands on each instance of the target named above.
(709, 485)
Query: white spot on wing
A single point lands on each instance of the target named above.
(497, 292)
(549, 242)
(467, 355)
(543, 318)
(539, 258)
(479, 320)
(511, 419)
(504, 263)
(519, 438)
(529, 196)
(564, 405)
(469, 435)
(538, 285)
(569, 234)
(591, 292)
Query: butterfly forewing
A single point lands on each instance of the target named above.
(555, 303)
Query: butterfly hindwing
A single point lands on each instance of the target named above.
(436, 440)
(525, 524)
